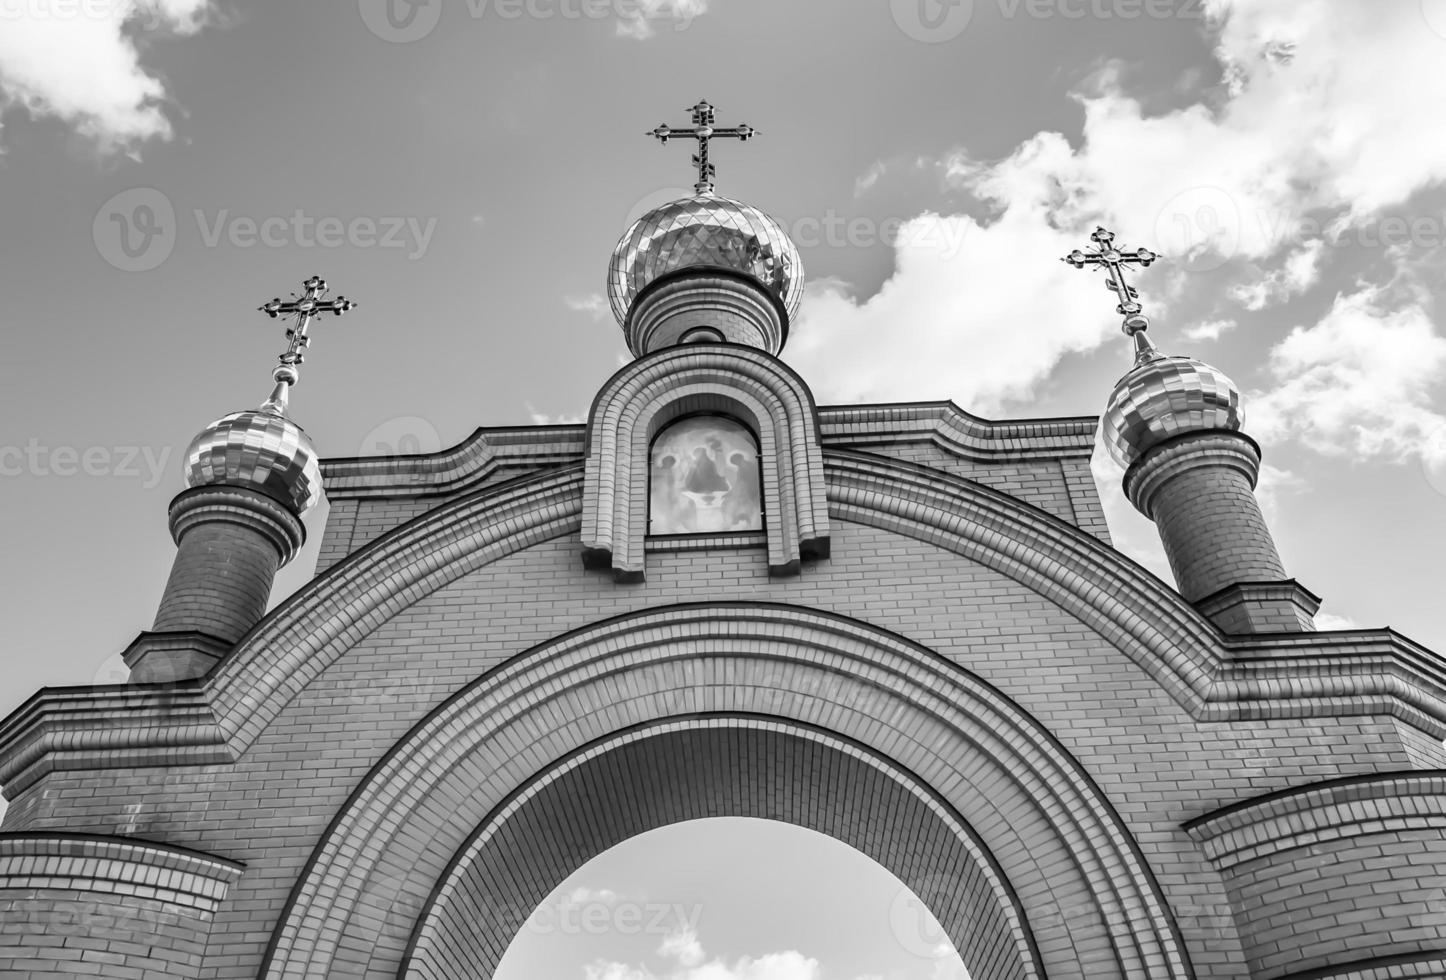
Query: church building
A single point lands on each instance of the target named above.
(902, 625)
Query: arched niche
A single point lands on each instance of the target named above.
(741, 383)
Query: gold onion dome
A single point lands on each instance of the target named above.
(1164, 396)
(259, 449)
(700, 233)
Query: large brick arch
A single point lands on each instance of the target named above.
(1018, 801)
(711, 766)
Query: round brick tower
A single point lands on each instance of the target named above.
(1174, 423)
(251, 477)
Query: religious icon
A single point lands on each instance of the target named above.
(705, 478)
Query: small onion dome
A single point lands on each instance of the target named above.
(1164, 396)
(704, 232)
(260, 449)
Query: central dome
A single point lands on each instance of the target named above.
(704, 232)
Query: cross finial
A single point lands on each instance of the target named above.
(304, 308)
(703, 130)
(1114, 260)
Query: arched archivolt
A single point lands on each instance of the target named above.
(1080, 881)
(717, 766)
(749, 385)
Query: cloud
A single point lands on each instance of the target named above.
(1209, 330)
(1331, 621)
(688, 961)
(683, 947)
(637, 21)
(80, 63)
(594, 305)
(961, 316)
(1358, 383)
(1293, 134)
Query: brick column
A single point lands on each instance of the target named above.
(230, 542)
(1199, 489)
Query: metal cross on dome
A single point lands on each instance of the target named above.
(1114, 261)
(304, 308)
(703, 130)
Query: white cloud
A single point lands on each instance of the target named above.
(639, 20)
(684, 947)
(80, 63)
(1296, 274)
(594, 305)
(1331, 621)
(1296, 133)
(1209, 330)
(961, 316)
(1359, 383)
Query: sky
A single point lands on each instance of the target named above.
(462, 168)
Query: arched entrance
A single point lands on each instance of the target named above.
(719, 709)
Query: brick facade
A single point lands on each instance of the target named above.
(1080, 773)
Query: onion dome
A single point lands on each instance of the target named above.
(1164, 396)
(705, 232)
(259, 449)
(262, 449)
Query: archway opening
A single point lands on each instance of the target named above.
(731, 898)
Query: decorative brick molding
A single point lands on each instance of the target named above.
(1215, 677)
(1262, 607)
(640, 400)
(1087, 894)
(1347, 871)
(730, 304)
(687, 769)
(486, 454)
(509, 452)
(116, 866)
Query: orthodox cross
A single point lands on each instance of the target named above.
(1114, 261)
(703, 130)
(304, 308)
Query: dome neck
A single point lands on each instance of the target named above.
(705, 305)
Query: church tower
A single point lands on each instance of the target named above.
(903, 626)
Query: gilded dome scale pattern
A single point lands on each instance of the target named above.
(703, 232)
(1164, 396)
(260, 449)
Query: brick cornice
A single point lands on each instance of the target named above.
(77, 863)
(515, 450)
(1333, 810)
